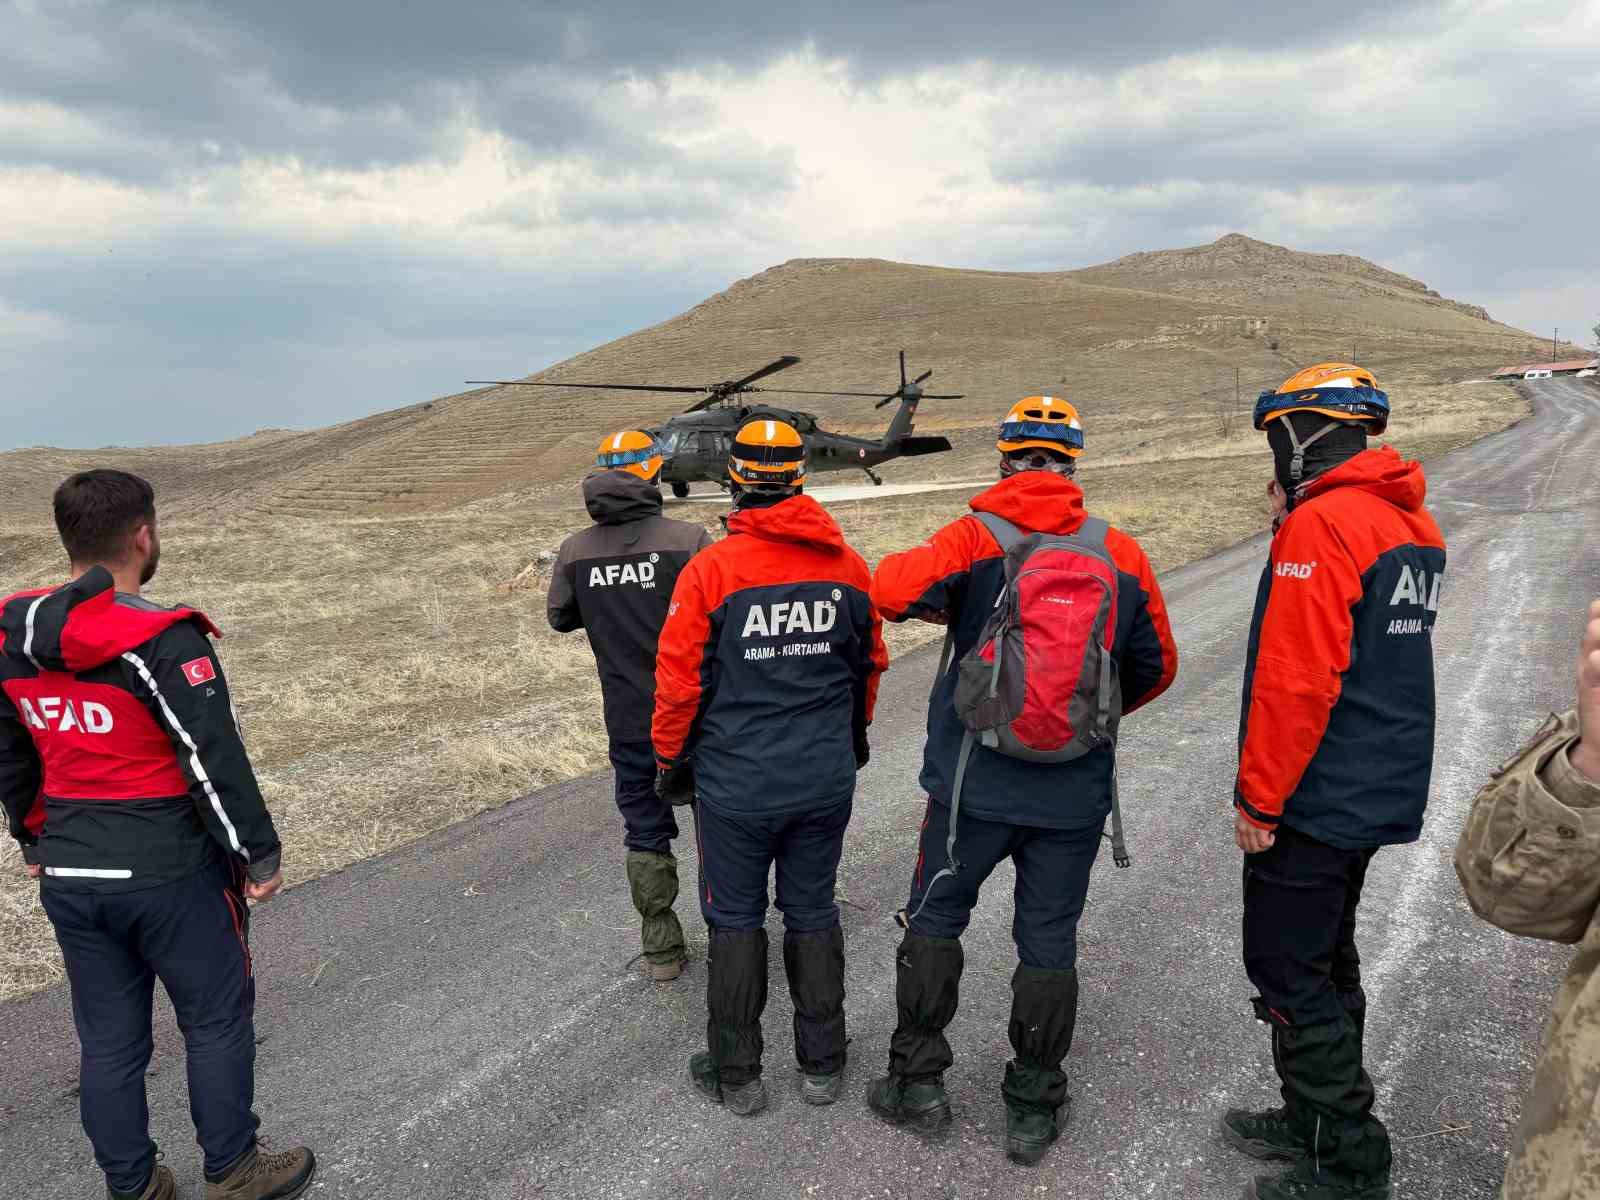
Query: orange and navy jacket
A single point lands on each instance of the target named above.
(954, 578)
(1336, 728)
(767, 670)
(121, 764)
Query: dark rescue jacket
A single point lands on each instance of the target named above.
(121, 762)
(768, 670)
(614, 580)
(954, 578)
(1336, 727)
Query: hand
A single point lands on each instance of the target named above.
(863, 753)
(34, 870)
(675, 785)
(262, 892)
(1586, 754)
(1277, 502)
(1252, 839)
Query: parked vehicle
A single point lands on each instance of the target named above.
(1536, 374)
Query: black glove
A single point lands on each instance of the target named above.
(863, 753)
(675, 785)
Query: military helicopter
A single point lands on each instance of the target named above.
(695, 443)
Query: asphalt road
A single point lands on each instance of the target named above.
(457, 1020)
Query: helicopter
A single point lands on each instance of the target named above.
(695, 443)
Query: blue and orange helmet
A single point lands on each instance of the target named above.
(1042, 423)
(1338, 391)
(630, 450)
(768, 455)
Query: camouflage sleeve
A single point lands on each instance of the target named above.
(1529, 856)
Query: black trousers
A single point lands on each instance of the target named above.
(193, 936)
(647, 820)
(1052, 885)
(1300, 902)
(736, 853)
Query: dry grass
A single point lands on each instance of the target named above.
(425, 685)
(390, 656)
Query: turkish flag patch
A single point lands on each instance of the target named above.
(198, 671)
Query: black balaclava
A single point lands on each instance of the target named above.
(1342, 442)
(756, 497)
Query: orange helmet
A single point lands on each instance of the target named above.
(1042, 423)
(630, 450)
(1338, 391)
(768, 454)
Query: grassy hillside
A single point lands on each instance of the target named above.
(404, 553)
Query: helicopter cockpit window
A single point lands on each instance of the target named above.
(668, 442)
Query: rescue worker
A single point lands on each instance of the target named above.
(1335, 754)
(766, 678)
(614, 580)
(1046, 817)
(1529, 860)
(125, 780)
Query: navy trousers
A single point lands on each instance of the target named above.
(194, 936)
(647, 820)
(737, 852)
(1052, 882)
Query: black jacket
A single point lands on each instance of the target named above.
(614, 580)
(121, 763)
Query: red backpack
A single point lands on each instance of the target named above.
(1041, 684)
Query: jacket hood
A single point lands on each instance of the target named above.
(84, 624)
(617, 497)
(797, 519)
(1380, 471)
(1036, 502)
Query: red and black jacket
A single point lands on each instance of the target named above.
(121, 763)
(1336, 728)
(767, 672)
(954, 578)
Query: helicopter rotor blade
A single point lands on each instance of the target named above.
(923, 377)
(772, 368)
(608, 387)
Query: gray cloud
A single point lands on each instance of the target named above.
(185, 84)
(1423, 140)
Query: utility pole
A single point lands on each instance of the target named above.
(1553, 343)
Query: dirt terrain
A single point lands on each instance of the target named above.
(381, 584)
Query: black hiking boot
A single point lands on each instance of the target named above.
(1264, 1135)
(745, 1100)
(1030, 1134)
(1044, 1012)
(1305, 1182)
(821, 1089)
(924, 1107)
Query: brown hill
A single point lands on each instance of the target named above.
(1140, 342)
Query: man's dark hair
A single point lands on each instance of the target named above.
(97, 512)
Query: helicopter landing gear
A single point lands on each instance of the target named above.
(877, 480)
(680, 489)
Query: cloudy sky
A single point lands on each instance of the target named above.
(216, 217)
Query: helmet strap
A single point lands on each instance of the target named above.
(1297, 464)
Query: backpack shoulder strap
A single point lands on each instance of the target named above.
(1007, 534)
(1093, 530)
